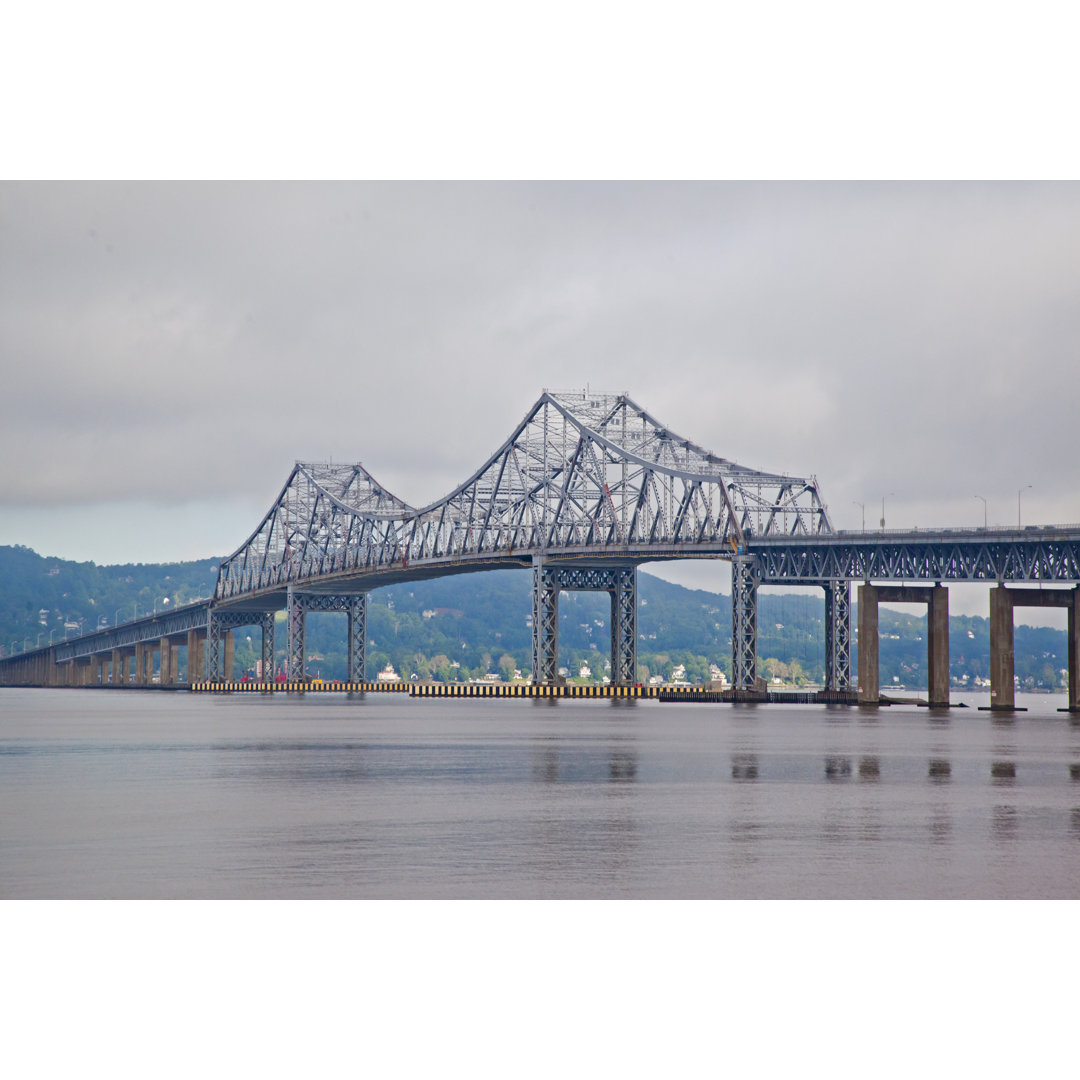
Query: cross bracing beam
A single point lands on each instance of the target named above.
(582, 474)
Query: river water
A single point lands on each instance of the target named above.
(172, 795)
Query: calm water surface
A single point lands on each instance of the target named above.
(143, 795)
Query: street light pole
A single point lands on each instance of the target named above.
(891, 494)
(862, 507)
(984, 509)
(1024, 488)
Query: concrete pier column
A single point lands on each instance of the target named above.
(195, 655)
(117, 668)
(175, 663)
(230, 648)
(166, 667)
(869, 692)
(937, 626)
(1002, 692)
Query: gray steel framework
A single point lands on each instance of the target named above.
(582, 475)
(218, 623)
(745, 580)
(837, 635)
(357, 634)
(266, 625)
(1033, 554)
(620, 582)
(298, 604)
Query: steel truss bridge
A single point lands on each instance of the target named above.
(585, 489)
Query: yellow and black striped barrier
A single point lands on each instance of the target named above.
(250, 686)
(527, 690)
(457, 690)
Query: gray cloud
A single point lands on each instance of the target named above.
(186, 342)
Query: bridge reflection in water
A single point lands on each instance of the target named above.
(585, 489)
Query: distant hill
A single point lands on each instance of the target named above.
(472, 624)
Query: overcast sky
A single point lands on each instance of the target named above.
(169, 350)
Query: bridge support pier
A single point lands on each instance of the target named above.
(195, 643)
(936, 597)
(298, 604)
(745, 579)
(619, 582)
(295, 610)
(219, 640)
(1002, 669)
(166, 668)
(837, 636)
(545, 597)
(357, 632)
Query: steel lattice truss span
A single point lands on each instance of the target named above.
(1035, 554)
(583, 475)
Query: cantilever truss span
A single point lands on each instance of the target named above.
(583, 476)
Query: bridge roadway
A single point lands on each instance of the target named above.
(586, 488)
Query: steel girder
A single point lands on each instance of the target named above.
(582, 474)
(1050, 554)
(620, 582)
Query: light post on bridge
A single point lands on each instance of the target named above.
(116, 617)
(862, 507)
(1023, 489)
(984, 509)
(883, 497)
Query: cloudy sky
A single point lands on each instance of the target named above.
(170, 349)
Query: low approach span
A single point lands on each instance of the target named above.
(586, 488)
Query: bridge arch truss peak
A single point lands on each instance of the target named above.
(581, 475)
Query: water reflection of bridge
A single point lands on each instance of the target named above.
(586, 488)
